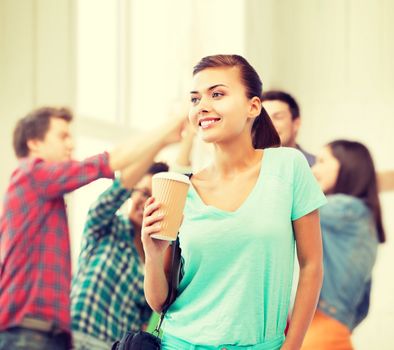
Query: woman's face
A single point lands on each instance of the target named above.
(220, 109)
(326, 169)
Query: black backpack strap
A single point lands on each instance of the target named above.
(173, 281)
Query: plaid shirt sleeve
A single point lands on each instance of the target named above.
(102, 213)
(55, 179)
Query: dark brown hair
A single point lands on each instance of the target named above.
(357, 177)
(278, 95)
(264, 134)
(157, 167)
(34, 126)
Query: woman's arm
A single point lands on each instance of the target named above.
(310, 258)
(157, 258)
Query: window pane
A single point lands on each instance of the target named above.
(97, 59)
(160, 59)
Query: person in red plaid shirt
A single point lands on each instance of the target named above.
(35, 267)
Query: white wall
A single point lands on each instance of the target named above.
(36, 64)
(17, 78)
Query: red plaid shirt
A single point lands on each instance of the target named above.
(35, 266)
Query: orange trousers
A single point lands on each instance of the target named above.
(326, 333)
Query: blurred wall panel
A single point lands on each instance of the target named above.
(17, 74)
(55, 54)
(97, 59)
(36, 62)
(260, 38)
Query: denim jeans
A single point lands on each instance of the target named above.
(18, 338)
(87, 342)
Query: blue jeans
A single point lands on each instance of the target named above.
(18, 338)
(84, 341)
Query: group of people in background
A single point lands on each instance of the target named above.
(262, 199)
(35, 252)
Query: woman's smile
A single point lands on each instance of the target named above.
(208, 122)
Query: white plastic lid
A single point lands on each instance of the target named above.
(172, 176)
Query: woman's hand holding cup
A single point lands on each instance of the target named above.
(151, 224)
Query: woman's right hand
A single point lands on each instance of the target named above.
(154, 248)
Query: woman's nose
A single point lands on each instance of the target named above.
(204, 106)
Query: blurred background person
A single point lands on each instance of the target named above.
(35, 259)
(352, 229)
(284, 112)
(107, 297)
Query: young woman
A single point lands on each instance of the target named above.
(352, 229)
(242, 218)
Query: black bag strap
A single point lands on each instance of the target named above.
(172, 283)
(174, 275)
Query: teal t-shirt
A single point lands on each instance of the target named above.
(238, 265)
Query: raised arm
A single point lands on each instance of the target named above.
(53, 179)
(310, 257)
(102, 212)
(133, 159)
(183, 160)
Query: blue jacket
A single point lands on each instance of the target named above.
(349, 253)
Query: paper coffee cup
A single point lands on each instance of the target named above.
(170, 189)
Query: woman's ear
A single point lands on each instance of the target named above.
(254, 107)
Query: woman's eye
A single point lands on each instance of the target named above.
(194, 100)
(216, 94)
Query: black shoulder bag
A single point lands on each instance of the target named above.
(141, 340)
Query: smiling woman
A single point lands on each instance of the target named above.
(227, 99)
(242, 215)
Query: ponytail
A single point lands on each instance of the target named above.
(264, 134)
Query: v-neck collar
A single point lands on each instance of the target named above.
(247, 200)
